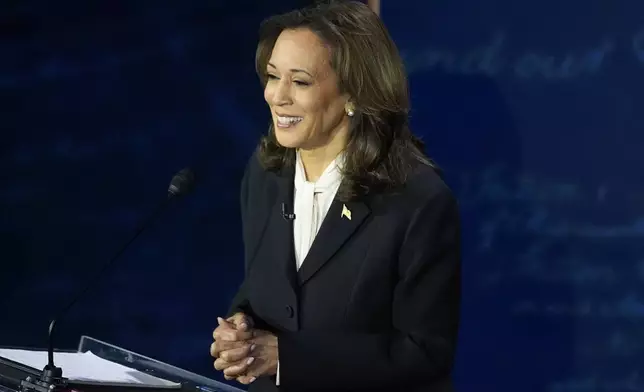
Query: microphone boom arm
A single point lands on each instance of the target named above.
(182, 183)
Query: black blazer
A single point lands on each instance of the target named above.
(375, 305)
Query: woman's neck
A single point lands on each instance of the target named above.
(316, 161)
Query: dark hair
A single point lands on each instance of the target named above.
(381, 150)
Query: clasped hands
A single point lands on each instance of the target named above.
(242, 352)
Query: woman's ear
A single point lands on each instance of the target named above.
(350, 109)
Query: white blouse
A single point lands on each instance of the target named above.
(312, 202)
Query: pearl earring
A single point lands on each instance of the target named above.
(350, 113)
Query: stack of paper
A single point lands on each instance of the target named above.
(88, 368)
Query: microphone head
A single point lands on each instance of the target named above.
(182, 183)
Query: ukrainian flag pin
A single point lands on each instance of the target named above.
(346, 213)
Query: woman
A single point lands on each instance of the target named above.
(351, 238)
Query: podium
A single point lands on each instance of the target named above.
(148, 375)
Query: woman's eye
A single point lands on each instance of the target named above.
(301, 83)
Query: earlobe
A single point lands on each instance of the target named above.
(350, 109)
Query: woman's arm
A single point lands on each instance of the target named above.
(421, 345)
(240, 300)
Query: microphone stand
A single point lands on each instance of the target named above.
(51, 379)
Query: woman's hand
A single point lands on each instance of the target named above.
(261, 359)
(236, 328)
(241, 352)
(231, 343)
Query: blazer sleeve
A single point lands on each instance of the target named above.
(425, 316)
(240, 301)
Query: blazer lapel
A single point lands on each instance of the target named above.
(342, 220)
(280, 229)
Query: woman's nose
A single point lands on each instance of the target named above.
(282, 93)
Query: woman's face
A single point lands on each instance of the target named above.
(302, 91)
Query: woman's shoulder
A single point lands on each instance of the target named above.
(255, 171)
(259, 165)
(257, 178)
(425, 181)
(253, 166)
(424, 185)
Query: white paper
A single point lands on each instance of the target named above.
(87, 367)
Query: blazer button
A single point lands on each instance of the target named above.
(289, 311)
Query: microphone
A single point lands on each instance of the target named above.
(182, 184)
(288, 216)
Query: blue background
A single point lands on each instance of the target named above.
(532, 108)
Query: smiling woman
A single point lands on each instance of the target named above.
(357, 286)
(302, 91)
(344, 74)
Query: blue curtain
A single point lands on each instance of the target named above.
(531, 108)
